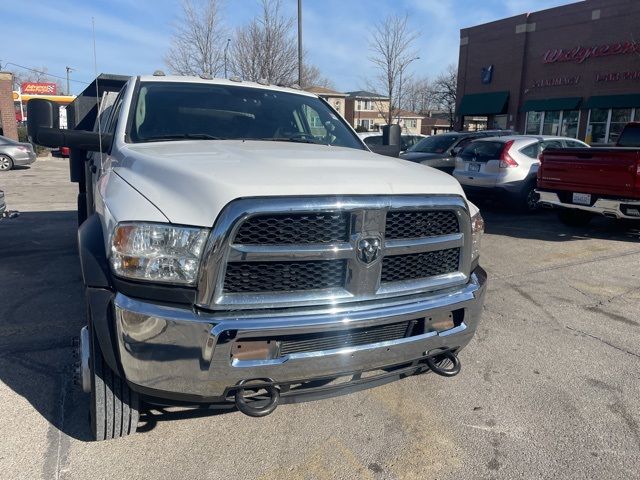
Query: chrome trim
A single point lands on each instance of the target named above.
(362, 282)
(180, 350)
(420, 245)
(274, 253)
(602, 206)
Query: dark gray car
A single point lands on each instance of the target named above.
(439, 151)
(14, 153)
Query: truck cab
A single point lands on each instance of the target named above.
(239, 244)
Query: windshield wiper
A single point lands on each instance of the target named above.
(181, 136)
(290, 139)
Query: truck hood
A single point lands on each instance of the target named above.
(192, 181)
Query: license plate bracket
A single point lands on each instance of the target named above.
(581, 198)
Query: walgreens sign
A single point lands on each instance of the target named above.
(581, 54)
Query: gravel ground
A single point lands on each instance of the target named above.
(550, 386)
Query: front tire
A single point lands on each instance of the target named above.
(575, 218)
(6, 163)
(114, 406)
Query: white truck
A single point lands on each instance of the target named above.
(240, 244)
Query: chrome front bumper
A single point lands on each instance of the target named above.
(182, 352)
(602, 206)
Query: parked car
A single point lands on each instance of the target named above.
(372, 139)
(506, 167)
(439, 151)
(14, 153)
(228, 250)
(586, 182)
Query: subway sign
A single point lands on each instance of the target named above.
(38, 88)
(581, 54)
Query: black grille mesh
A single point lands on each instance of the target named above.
(294, 228)
(263, 277)
(420, 223)
(349, 338)
(419, 265)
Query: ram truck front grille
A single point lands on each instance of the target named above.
(264, 277)
(420, 265)
(327, 251)
(420, 224)
(288, 229)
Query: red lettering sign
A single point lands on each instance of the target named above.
(556, 82)
(38, 88)
(581, 54)
(618, 76)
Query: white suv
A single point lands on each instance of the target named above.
(506, 166)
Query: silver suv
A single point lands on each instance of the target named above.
(506, 166)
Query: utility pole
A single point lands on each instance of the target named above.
(69, 69)
(300, 43)
(226, 48)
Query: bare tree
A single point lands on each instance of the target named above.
(444, 92)
(392, 50)
(312, 77)
(197, 45)
(36, 74)
(265, 48)
(417, 95)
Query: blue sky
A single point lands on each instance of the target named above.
(133, 35)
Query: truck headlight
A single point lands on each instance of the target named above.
(477, 229)
(157, 252)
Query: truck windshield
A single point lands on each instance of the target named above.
(435, 144)
(169, 111)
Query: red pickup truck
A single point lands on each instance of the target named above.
(584, 182)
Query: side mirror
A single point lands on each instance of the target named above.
(387, 150)
(41, 114)
(43, 122)
(456, 150)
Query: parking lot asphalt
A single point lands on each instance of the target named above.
(549, 388)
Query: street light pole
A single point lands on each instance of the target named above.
(300, 43)
(69, 69)
(226, 47)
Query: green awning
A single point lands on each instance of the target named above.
(548, 104)
(493, 103)
(613, 101)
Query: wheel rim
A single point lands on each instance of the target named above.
(5, 163)
(532, 200)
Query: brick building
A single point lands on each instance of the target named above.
(572, 70)
(7, 109)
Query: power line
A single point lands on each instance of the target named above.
(44, 73)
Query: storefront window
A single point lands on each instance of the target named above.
(598, 119)
(605, 125)
(569, 124)
(534, 119)
(551, 123)
(619, 118)
(564, 123)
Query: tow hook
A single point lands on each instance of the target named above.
(440, 364)
(257, 406)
